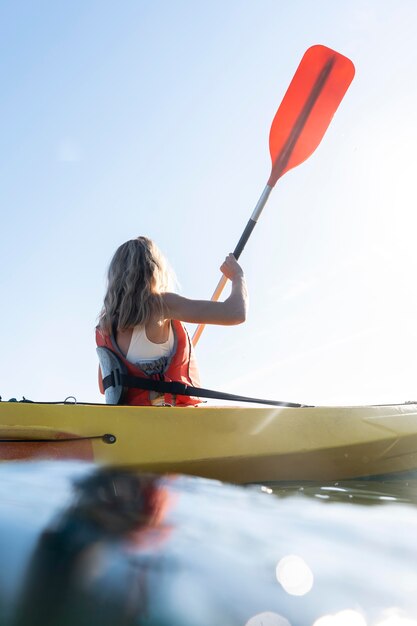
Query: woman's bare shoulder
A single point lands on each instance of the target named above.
(173, 303)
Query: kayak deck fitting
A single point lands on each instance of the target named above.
(236, 444)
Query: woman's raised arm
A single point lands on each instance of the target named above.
(228, 313)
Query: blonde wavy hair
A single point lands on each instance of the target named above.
(138, 273)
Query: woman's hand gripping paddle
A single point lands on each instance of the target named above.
(311, 100)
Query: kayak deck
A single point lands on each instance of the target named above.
(236, 444)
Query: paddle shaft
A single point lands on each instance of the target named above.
(238, 251)
(284, 148)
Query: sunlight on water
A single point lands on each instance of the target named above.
(268, 619)
(348, 617)
(294, 575)
(353, 618)
(395, 620)
(343, 618)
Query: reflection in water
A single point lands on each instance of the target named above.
(362, 491)
(76, 554)
(84, 546)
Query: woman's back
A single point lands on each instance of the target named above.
(147, 342)
(141, 323)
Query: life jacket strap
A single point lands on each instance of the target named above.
(175, 387)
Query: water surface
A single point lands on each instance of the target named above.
(82, 546)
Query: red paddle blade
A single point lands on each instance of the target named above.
(311, 100)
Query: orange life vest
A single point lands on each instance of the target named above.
(182, 367)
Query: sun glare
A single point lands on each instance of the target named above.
(294, 575)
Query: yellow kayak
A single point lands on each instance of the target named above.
(236, 444)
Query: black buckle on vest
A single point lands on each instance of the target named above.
(114, 379)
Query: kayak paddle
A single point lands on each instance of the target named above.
(311, 100)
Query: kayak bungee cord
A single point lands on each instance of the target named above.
(107, 438)
(74, 402)
(176, 388)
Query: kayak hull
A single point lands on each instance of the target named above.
(236, 444)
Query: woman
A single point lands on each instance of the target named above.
(141, 336)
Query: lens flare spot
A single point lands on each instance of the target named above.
(268, 619)
(343, 618)
(294, 575)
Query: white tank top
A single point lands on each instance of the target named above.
(142, 350)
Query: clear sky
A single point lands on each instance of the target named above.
(152, 117)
